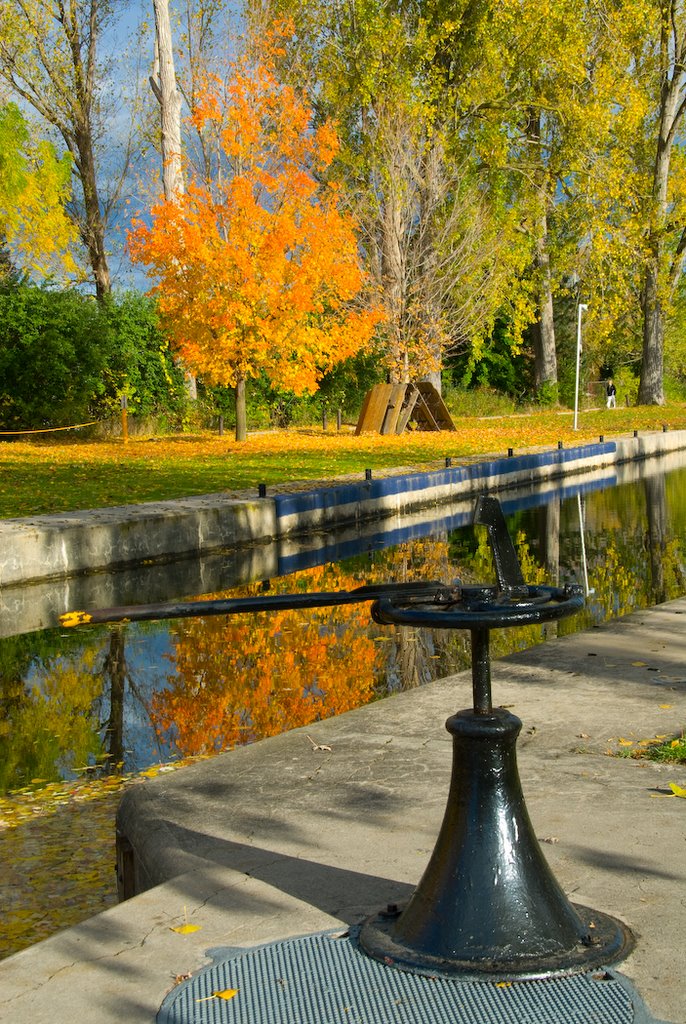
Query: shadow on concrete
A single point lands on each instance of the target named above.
(621, 863)
(326, 887)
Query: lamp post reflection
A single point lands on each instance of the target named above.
(580, 505)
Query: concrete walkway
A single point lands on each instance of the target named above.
(319, 827)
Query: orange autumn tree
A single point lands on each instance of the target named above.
(257, 263)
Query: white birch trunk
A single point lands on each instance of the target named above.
(163, 83)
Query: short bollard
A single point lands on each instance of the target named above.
(488, 903)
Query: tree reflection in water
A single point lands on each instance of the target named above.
(142, 693)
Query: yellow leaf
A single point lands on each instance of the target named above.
(74, 618)
(639, 664)
(665, 707)
(677, 790)
(625, 743)
(186, 929)
(227, 993)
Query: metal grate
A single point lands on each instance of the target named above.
(325, 979)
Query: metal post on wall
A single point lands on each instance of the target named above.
(124, 418)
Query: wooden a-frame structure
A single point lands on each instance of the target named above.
(390, 408)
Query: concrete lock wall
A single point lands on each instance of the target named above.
(53, 546)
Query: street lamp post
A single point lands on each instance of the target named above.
(582, 307)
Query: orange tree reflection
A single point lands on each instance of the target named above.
(240, 678)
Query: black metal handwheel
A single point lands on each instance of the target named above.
(482, 607)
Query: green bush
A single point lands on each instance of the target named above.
(54, 350)
(140, 364)
(342, 388)
(66, 359)
(477, 402)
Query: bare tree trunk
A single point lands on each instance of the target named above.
(79, 136)
(662, 273)
(163, 84)
(650, 391)
(427, 256)
(545, 354)
(392, 277)
(92, 228)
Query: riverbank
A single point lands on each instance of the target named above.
(71, 544)
(52, 474)
(157, 551)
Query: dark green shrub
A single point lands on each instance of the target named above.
(343, 388)
(140, 363)
(54, 349)
(66, 359)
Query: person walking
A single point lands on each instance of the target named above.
(611, 392)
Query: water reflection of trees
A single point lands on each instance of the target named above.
(240, 678)
(66, 702)
(62, 706)
(48, 726)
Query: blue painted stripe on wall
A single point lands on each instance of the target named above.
(346, 494)
(381, 538)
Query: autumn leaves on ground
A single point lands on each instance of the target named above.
(56, 840)
(50, 474)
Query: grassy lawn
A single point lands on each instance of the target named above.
(59, 473)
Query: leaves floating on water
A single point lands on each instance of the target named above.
(57, 855)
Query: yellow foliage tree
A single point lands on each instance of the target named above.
(34, 186)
